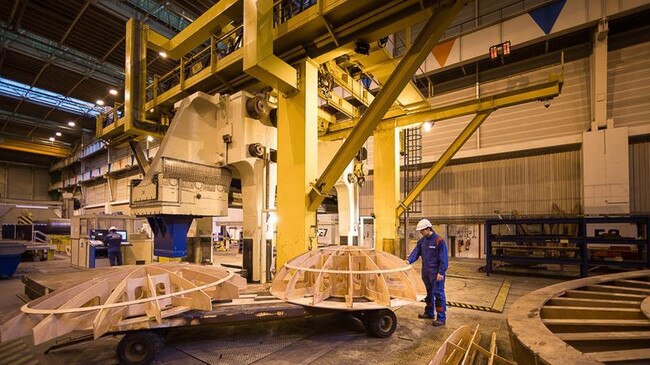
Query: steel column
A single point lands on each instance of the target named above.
(297, 166)
(386, 189)
(454, 147)
(428, 37)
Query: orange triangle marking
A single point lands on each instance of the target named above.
(441, 51)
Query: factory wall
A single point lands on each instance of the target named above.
(23, 183)
(531, 185)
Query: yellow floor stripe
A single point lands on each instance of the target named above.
(502, 296)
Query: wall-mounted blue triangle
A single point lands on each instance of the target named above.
(546, 16)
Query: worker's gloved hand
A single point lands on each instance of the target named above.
(440, 277)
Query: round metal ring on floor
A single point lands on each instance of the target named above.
(596, 320)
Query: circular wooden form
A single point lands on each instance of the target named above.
(135, 295)
(594, 320)
(348, 278)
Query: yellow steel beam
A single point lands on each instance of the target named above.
(454, 147)
(213, 21)
(380, 64)
(33, 147)
(428, 37)
(340, 104)
(349, 84)
(259, 60)
(536, 92)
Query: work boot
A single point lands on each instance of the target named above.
(438, 323)
(424, 316)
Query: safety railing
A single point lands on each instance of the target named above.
(283, 10)
(218, 49)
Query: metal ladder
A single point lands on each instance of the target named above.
(412, 158)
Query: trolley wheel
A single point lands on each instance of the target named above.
(139, 348)
(380, 323)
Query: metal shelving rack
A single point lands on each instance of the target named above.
(566, 248)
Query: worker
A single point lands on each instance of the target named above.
(433, 250)
(114, 243)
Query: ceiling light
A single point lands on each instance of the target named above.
(100, 102)
(162, 54)
(426, 126)
(150, 138)
(51, 139)
(58, 134)
(112, 92)
(71, 124)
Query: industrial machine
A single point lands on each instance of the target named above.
(212, 139)
(86, 240)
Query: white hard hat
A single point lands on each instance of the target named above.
(113, 228)
(422, 224)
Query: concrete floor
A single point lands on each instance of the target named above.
(329, 339)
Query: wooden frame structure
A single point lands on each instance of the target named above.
(137, 296)
(348, 278)
(463, 346)
(594, 320)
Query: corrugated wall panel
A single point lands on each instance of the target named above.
(529, 185)
(640, 177)
(567, 115)
(41, 183)
(20, 184)
(3, 180)
(628, 85)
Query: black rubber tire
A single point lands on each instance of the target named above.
(380, 323)
(139, 348)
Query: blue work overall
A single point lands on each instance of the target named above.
(114, 243)
(433, 250)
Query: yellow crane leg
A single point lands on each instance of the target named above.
(297, 165)
(446, 156)
(386, 189)
(416, 54)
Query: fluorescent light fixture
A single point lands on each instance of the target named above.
(32, 207)
(17, 90)
(149, 138)
(100, 102)
(162, 54)
(112, 92)
(51, 139)
(71, 124)
(58, 134)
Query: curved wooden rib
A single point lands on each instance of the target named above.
(348, 278)
(133, 295)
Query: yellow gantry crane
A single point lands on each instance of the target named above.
(251, 45)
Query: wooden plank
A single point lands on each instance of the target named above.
(596, 322)
(621, 355)
(590, 302)
(568, 312)
(633, 283)
(603, 294)
(619, 289)
(605, 336)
